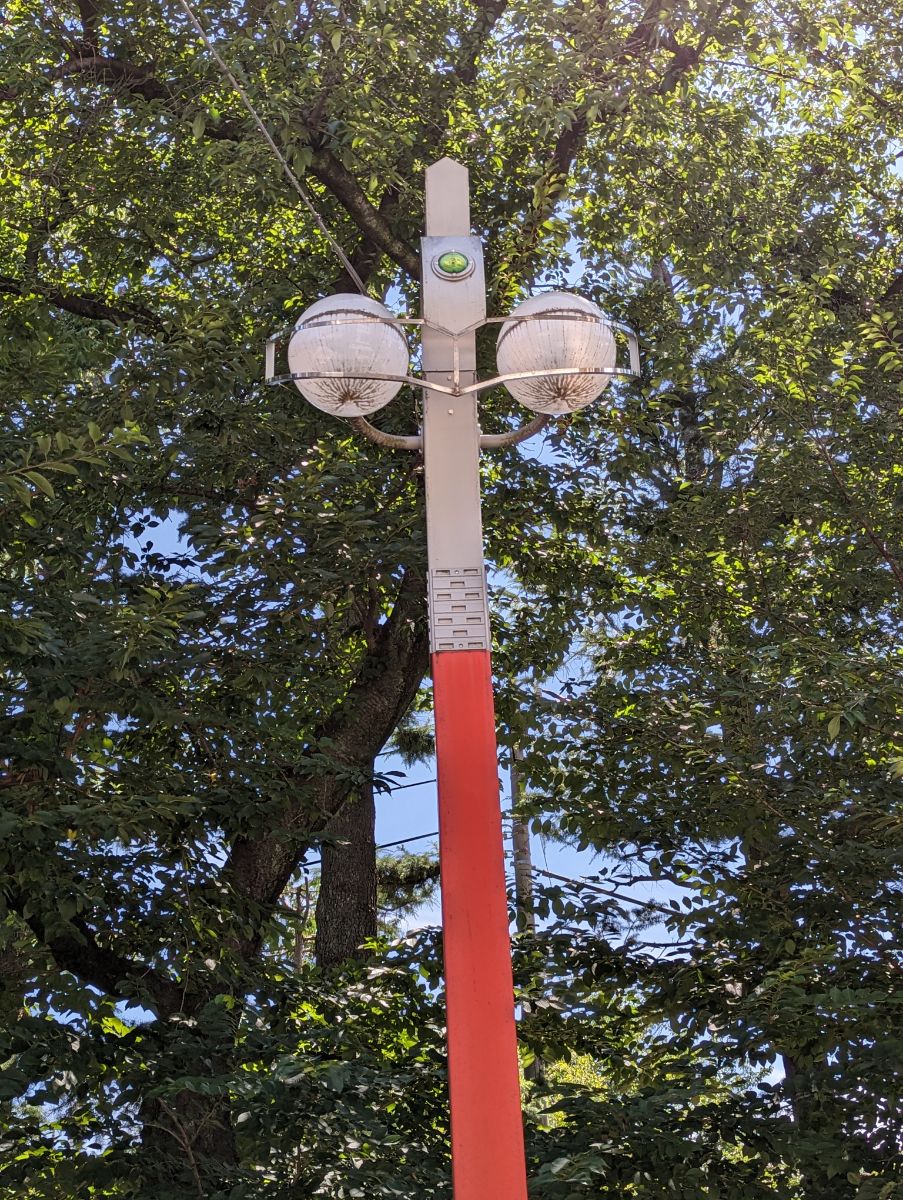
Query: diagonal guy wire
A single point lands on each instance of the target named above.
(289, 173)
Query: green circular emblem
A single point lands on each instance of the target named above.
(453, 262)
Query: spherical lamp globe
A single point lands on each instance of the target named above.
(356, 337)
(563, 330)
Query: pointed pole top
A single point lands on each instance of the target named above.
(447, 198)
(444, 162)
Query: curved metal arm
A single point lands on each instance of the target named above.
(393, 441)
(494, 441)
(632, 371)
(482, 385)
(485, 385)
(488, 441)
(413, 380)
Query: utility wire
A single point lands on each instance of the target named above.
(614, 892)
(421, 837)
(404, 841)
(289, 173)
(400, 787)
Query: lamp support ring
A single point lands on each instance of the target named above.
(496, 441)
(391, 441)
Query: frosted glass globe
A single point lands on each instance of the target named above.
(551, 340)
(348, 333)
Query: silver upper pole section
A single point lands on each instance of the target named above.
(454, 302)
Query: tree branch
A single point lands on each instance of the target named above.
(375, 228)
(894, 288)
(118, 72)
(259, 868)
(488, 14)
(365, 257)
(645, 35)
(140, 81)
(88, 14)
(93, 307)
(80, 955)
(570, 141)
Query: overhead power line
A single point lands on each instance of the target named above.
(289, 173)
(404, 841)
(421, 837)
(401, 786)
(614, 891)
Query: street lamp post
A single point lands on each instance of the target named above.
(556, 352)
(484, 1084)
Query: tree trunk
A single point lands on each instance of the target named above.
(189, 1144)
(346, 905)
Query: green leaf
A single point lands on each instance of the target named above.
(41, 483)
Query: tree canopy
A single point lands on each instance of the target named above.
(212, 618)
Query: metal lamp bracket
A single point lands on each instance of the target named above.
(455, 388)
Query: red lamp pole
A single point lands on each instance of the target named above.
(486, 1125)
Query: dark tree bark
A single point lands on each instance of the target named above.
(346, 905)
(190, 1141)
(261, 866)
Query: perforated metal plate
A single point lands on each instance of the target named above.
(459, 616)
